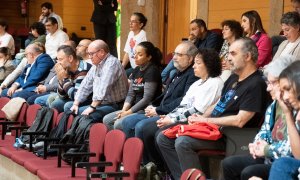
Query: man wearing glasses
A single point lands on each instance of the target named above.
(54, 38)
(37, 68)
(107, 81)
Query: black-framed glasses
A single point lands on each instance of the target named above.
(179, 54)
(91, 54)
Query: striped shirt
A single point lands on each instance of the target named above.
(68, 87)
(107, 81)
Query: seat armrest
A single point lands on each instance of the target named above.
(104, 175)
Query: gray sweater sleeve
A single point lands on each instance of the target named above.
(149, 93)
(53, 86)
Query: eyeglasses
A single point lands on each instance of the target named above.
(91, 54)
(178, 54)
(133, 22)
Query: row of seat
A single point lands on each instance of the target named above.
(107, 150)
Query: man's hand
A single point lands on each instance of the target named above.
(252, 147)
(150, 111)
(12, 90)
(40, 89)
(87, 111)
(196, 118)
(74, 108)
(41, 17)
(163, 121)
(61, 73)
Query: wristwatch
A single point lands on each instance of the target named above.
(92, 107)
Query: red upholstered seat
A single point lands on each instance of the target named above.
(113, 146)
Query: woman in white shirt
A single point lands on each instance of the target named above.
(290, 24)
(6, 40)
(136, 35)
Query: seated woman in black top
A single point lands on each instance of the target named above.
(145, 84)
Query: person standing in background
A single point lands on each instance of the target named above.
(104, 22)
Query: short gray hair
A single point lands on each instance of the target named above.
(291, 19)
(192, 50)
(278, 65)
(249, 46)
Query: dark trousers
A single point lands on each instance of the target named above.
(181, 154)
(32, 98)
(107, 33)
(23, 94)
(243, 167)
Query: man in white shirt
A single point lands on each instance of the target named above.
(47, 11)
(54, 38)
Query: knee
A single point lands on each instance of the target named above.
(182, 144)
(248, 172)
(118, 124)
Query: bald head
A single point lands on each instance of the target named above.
(99, 44)
(32, 51)
(82, 48)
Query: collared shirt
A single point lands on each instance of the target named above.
(53, 41)
(107, 81)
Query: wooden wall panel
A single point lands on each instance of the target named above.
(287, 6)
(220, 10)
(10, 10)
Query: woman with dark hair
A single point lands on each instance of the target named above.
(290, 24)
(136, 35)
(253, 28)
(38, 31)
(6, 40)
(6, 65)
(286, 168)
(145, 84)
(231, 30)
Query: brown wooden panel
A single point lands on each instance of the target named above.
(287, 6)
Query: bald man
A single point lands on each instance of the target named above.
(107, 81)
(37, 68)
(82, 48)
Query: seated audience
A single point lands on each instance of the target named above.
(55, 37)
(81, 50)
(242, 104)
(70, 72)
(106, 82)
(286, 168)
(136, 35)
(37, 68)
(271, 142)
(6, 40)
(253, 28)
(145, 84)
(231, 31)
(290, 24)
(202, 38)
(177, 87)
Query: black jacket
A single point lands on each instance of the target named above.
(104, 13)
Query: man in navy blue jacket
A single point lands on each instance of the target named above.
(36, 70)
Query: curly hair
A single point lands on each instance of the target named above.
(234, 26)
(39, 27)
(212, 62)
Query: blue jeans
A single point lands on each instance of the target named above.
(129, 124)
(42, 100)
(100, 112)
(54, 101)
(284, 168)
(23, 94)
(32, 98)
